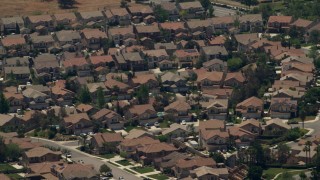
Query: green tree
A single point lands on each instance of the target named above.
(218, 157)
(314, 36)
(163, 138)
(66, 3)
(13, 152)
(302, 115)
(104, 169)
(161, 15)
(2, 150)
(283, 152)
(266, 11)
(234, 64)
(255, 172)
(4, 104)
(143, 94)
(100, 96)
(303, 176)
(84, 95)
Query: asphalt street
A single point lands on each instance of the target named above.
(221, 11)
(87, 159)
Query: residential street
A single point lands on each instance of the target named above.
(87, 159)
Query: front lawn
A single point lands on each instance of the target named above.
(308, 118)
(159, 176)
(108, 156)
(4, 167)
(272, 172)
(124, 162)
(143, 170)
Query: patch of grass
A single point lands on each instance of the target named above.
(159, 176)
(129, 128)
(272, 172)
(308, 118)
(128, 170)
(108, 156)
(165, 124)
(124, 162)
(4, 167)
(143, 170)
(14, 176)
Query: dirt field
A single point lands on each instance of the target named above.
(36, 7)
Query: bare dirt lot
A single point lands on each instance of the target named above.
(36, 7)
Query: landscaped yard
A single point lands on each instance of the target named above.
(272, 172)
(159, 176)
(108, 156)
(124, 162)
(143, 170)
(4, 167)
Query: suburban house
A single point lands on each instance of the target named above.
(275, 127)
(215, 108)
(187, 57)
(183, 167)
(283, 108)
(172, 29)
(77, 123)
(142, 114)
(92, 18)
(213, 135)
(118, 16)
(93, 38)
(216, 65)
(206, 78)
(46, 66)
(148, 152)
(64, 20)
(179, 110)
(251, 125)
(10, 122)
(15, 100)
(139, 13)
(77, 66)
(212, 52)
(130, 146)
(134, 61)
(14, 45)
(36, 99)
(19, 73)
(193, 9)
(137, 133)
(250, 22)
(106, 142)
(42, 43)
(250, 108)
(40, 154)
(149, 31)
(33, 22)
(176, 131)
(205, 172)
(245, 41)
(174, 82)
(75, 171)
(279, 23)
(148, 80)
(155, 56)
(234, 79)
(122, 36)
(12, 24)
(109, 119)
(171, 9)
(69, 40)
(221, 24)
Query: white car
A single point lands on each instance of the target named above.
(183, 122)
